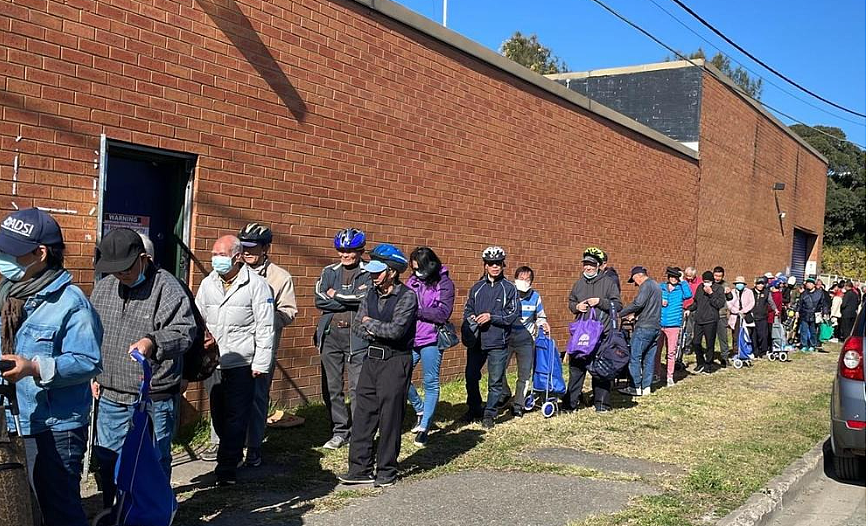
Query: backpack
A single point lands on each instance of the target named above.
(203, 356)
(613, 354)
(584, 335)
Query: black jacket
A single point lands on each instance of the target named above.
(500, 299)
(601, 286)
(707, 306)
(849, 304)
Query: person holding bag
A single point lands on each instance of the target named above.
(741, 309)
(593, 290)
(435, 293)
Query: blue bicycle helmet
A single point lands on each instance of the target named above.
(350, 239)
(391, 256)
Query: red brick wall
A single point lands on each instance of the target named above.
(742, 155)
(312, 116)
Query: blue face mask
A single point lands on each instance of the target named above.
(11, 268)
(221, 264)
(739, 286)
(139, 280)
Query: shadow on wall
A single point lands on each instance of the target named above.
(237, 27)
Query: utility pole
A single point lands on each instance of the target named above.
(445, 8)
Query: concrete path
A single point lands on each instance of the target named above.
(825, 502)
(486, 499)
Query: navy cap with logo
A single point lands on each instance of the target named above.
(24, 230)
(638, 269)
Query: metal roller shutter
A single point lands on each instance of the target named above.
(800, 254)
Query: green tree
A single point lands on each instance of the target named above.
(845, 191)
(845, 260)
(527, 51)
(739, 75)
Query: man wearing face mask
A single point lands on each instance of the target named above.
(593, 290)
(386, 319)
(338, 292)
(763, 305)
(142, 308)
(238, 308)
(51, 335)
(705, 309)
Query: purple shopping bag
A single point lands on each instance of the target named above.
(584, 335)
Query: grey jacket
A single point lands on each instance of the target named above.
(158, 308)
(345, 299)
(647, 304)
(601, 286)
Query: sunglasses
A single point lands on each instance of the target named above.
(494, 264)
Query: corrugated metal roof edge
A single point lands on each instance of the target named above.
(430, 28)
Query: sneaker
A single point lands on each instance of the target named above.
(517, 412)
(418, 427)
(646, 391)
(811, 349)
(385, 483)
(630, 391)
(355, 479)
(488, 422)
(209, 454)
(471, 417)
(602, 409)
(335, 442)
(670, 382)
(723, 363)
(699, 369)
(421, 439)
(226, 479)
(254, 458)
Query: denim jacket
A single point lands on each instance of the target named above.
(63, 334)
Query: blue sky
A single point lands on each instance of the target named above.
(820, 45)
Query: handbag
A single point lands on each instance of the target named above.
(613, 355)
(585, 333)
(447, 337)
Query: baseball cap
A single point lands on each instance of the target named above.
(637, 270)
(675, 272)
(118, 251)
(374, 266)
(811, 279)
(24, 230)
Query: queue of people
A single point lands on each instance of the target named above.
(64, 351)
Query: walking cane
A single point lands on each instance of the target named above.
(91, 434)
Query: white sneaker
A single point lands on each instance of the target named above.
(670, 382)
(418, 427)
(646, 391)
(335, 442)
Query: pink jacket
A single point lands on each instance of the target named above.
(741, 303)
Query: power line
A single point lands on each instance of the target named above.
(694, 64)
(819, 108)
(760, 62)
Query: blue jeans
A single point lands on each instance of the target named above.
(643, 352)
(54, 461)
(808, 332)
(497, 359)
(112, 423)
(431, 357)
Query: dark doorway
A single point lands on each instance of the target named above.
(803, 245)
(149, 190)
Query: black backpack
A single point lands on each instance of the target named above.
(200, 360)
(612, 355)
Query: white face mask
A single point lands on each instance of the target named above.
(522, 285)
(419, 274)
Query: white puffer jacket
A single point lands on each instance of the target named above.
(241, 319)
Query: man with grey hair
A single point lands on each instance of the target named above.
(238, 308)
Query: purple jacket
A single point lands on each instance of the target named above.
(435, 306)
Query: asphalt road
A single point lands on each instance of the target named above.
(825, 502)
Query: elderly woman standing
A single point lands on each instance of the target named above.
(740, 306)
(676, 291)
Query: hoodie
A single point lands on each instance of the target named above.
(436, 302)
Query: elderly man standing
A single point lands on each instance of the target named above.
(646, 309)
(238, 308)
(256, 242)
(142, 308)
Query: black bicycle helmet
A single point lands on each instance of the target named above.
(255, 233)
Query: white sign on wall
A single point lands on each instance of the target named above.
(811, 268)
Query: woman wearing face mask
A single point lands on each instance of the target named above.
(593, 290)
(435, 293)
(524, 332)
(51, 338)
(741, 308)
(705, 309)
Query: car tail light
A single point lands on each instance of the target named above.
(850, 363)
(855, 424)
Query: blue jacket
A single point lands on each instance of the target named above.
(500, 299)
(673, 312)
(811, 303)
(63, 334)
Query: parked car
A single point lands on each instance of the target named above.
(848, 405)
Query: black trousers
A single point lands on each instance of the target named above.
(578, 371)
(335, 358)
(846, 325)
(761, 338)
(709, 332)
(231, 400)
(381, 396)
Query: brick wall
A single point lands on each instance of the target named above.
(742, 155)
(312, 116)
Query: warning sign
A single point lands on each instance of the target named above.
(111, 221)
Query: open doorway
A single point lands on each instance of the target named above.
(148, 190)
(803, 247)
